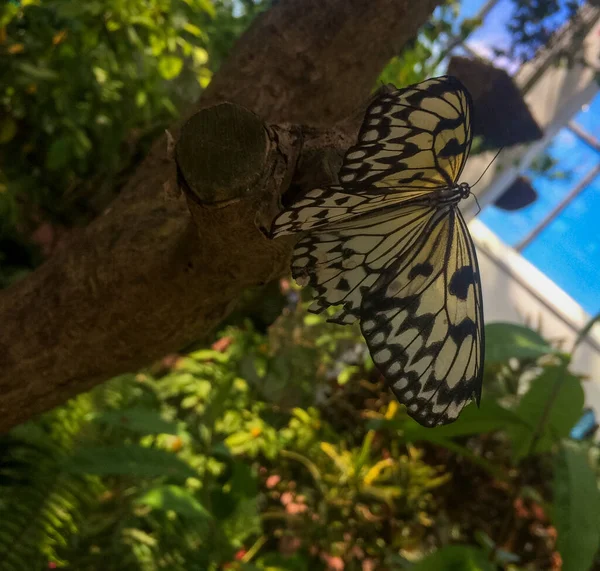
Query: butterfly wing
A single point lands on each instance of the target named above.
(413, 139)
(326, 207)
(413, 142)
(424, 326)
(345, 260)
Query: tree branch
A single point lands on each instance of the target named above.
(158, 270)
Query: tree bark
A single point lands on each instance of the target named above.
(156, 270)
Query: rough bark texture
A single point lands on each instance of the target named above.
(157, 271)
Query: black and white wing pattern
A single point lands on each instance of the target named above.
(388, 245)
(412, 141)
(423, 322)
(344, 261)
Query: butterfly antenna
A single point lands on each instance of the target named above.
(476, 202)
(487, 168)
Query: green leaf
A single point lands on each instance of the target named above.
(141, 98)
(59, 153)
(199, 55)
(505, 341)
(346, 374)
(192, 29)
(556, 399)
(240, 441)
(140, 420)
(170, 66)
(312, 319)
(243, 481)
(130, 460)
(100, 74)
(177, 499)
(272, 561)
(39, 73)
(455, 558)
(243, 522)
(209, 355)
(576, 508)
(205, 5)
(8, 129)
(489, 418)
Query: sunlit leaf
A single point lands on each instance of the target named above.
(177, 499)
(141, 98)
(200, 56)
(192, 29)
(312, 319)
(170, 66)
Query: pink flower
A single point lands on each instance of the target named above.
(273, 480)
(368, 565)
(222, 344)
(333, 563)
(294, 508)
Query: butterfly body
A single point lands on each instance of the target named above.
(389, 247)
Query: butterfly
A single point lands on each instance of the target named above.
(389, 246)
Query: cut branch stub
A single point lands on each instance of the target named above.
(221, 154)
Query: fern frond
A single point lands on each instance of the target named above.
(40, 504)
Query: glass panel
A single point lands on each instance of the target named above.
(568, 250)
(574, 159)
(589, 117)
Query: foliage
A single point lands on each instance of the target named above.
(86, 87)
(544, 165)
(533, 22)
(422, 57)
(282, 450)
(42, 503)
(577, 507)
(278, 447)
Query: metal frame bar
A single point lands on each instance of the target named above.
(551, 216)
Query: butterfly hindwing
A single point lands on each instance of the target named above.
(424, 326)
(343, 261)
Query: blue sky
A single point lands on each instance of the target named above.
(568, 250)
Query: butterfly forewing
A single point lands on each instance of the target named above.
(413, 143)
(413, 139)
